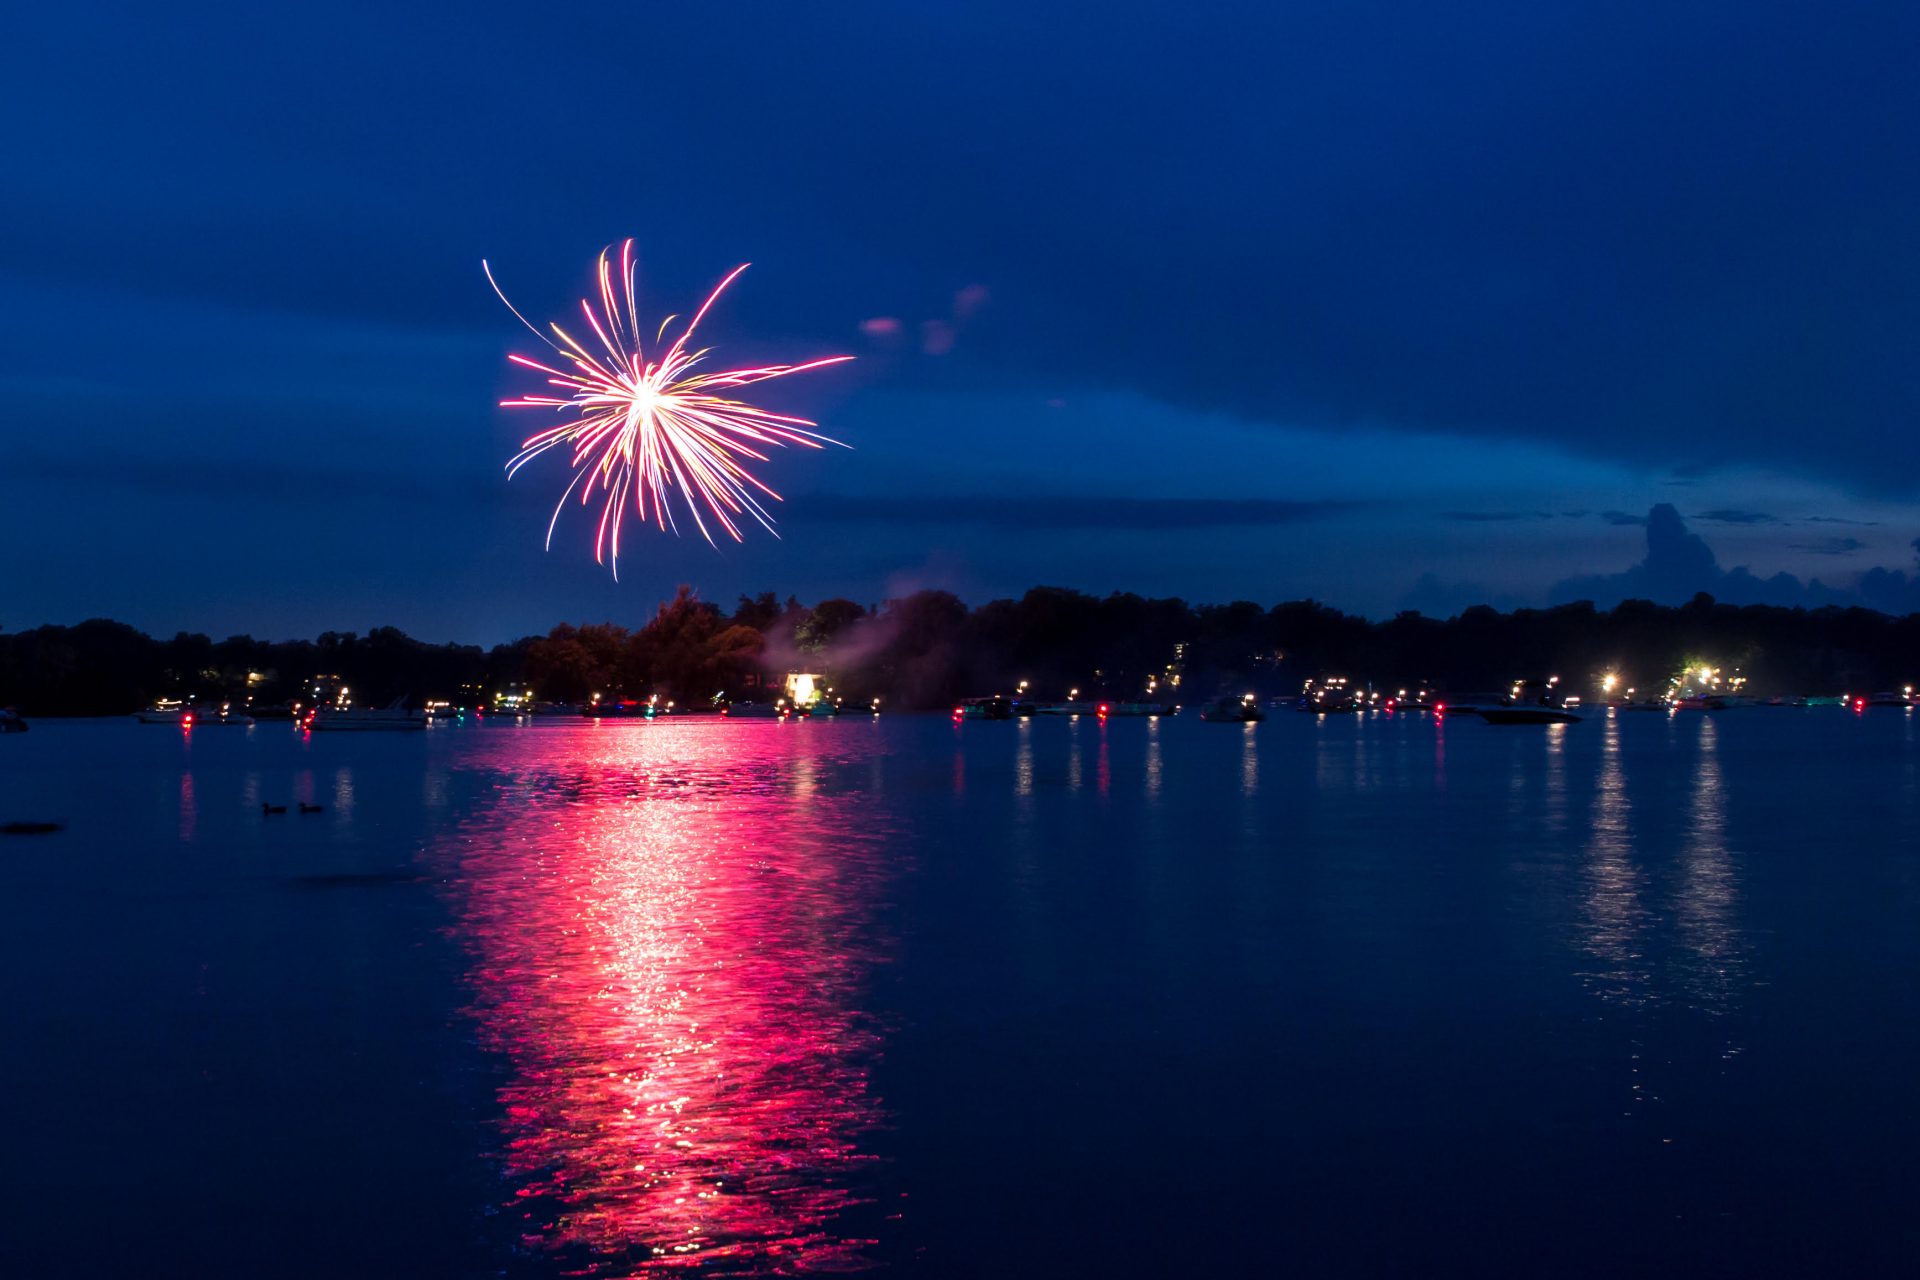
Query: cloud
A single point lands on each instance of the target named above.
(1622, 518)
(1443, 276)
(1040, 511)
(1679, 564)
(969, 300)
(1831, 546)
(1839, 520)
(1494, 517)
(1893, 590)
(1729, 515)
(937, 337)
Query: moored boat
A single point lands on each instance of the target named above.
(179, 715)
(613, 709)
(10, 721)
(1528, 713)
(994, 707)
(758, 710)
(1230, 710)
(393, 716)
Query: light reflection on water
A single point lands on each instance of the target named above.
(1626, 919)
(1151, 773)
(1713, 947)
(669, 949)
(1615, 918)
(1350, 932)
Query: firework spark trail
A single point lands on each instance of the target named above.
(636, 428)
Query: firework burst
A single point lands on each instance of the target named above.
(638, 428)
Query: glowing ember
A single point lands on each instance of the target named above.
(637, 427)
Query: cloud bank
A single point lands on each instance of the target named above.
(1679, 564)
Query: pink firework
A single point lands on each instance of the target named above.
(637, 427)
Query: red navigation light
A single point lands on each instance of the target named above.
(1103, 708)
(1439, 708)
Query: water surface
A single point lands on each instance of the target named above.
(1342, 996)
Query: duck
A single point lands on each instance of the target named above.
(311, 808)
(272, 808)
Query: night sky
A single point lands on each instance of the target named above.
(1390, 305)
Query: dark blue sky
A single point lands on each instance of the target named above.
(1386, 304)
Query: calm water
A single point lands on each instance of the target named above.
(1038, 998)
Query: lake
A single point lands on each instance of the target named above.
(1345, 996)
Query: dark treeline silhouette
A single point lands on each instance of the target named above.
(929, 648)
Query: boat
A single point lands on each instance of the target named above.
(393, 716)
(1711, 702)
(1420, 700)
(206, 717)
(1136, 709)
(1230, 710)
(758, 710)
(613, 709)
(988, 708)
(1064, 708)
(1329, 695)
(1528, 702)
(169, 712)
(1528, 713)
(10, 721)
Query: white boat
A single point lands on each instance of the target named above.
(186, 717)
(390, 717)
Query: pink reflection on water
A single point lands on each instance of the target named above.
(673, 927)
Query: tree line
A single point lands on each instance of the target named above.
(929, 648)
